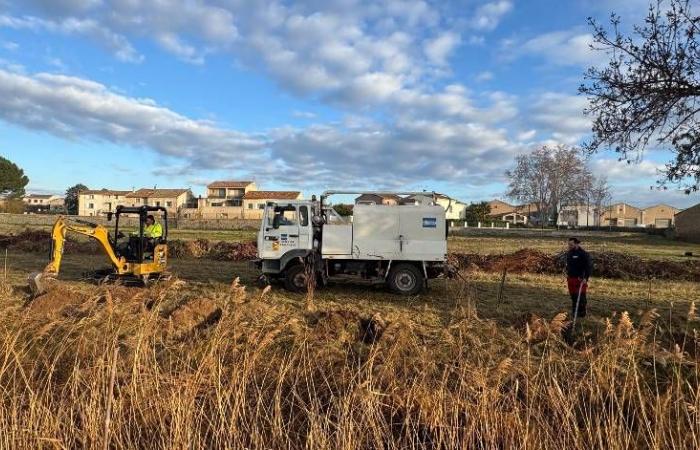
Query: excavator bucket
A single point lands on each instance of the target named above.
(37, 283)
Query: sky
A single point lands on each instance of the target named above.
(303, 95)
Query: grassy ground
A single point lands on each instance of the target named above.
(204, 363)
(543, 295)
(639, 244)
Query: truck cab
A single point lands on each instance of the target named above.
(286, 233)
(399, 245)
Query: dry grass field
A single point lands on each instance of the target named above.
(202, 362)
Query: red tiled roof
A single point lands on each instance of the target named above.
(272, 195)
(228, 184)
(104, 192)
(156, 193)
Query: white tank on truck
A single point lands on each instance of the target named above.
(402, 245)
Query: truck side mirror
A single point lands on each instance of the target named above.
(276, 221)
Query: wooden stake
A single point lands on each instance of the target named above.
(500, 288)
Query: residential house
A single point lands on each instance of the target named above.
(515, 214)
(99, 202)
(688, 224)
(659, 216)
(254, 201)
(500, 208)
(43, 202)
(378, 199)
(224, 200)
(622, 215)
(172, 199)
(579, 216)
(455, 210)
(228, 193)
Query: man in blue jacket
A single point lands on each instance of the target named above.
(578, 270)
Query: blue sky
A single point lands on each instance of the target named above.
(306, 95)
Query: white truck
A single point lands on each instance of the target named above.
(401, 245)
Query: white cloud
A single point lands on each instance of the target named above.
(75, 108)
(484, 76)
(10, 46)
(303, 115)
(488, 16)
(561, 115)
(408, 150)
(439, 49)
(564, 48)
(622, 171)
(114, 42)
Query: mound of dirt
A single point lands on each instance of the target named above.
(605, 264)
(39, 241)
(233, 251)
(36, 241)
(525, 260)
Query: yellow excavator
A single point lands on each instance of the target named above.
(136, 258)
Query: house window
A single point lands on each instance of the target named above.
(91, 206)
(261, 205)
(169, 204)
(250, 206)
(157, 203)
(92, 197)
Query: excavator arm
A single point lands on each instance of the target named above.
(58, 236)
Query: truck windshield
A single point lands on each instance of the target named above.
(283, 215)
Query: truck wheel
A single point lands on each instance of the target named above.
(405, 279)
(295, 278)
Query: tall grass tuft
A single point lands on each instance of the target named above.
(181, 366)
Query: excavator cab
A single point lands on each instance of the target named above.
(136, 258)
(137, 248)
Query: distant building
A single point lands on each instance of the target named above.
(171, 199)
(99, 202)
(622, 215)
(688, 224)
(515, 214)
(254, 201)
(455, 210)
(625, 215)
(659, 216)
(43, 202)
(378, 199)
(228, 193)
(579, 216)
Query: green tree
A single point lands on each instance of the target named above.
(477, 212)
(12, 179)
(71, 202)
(343, 209)
(648, 93)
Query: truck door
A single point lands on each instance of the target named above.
(281, 230)
(305, 228)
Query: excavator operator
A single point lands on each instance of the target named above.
(153, 230)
